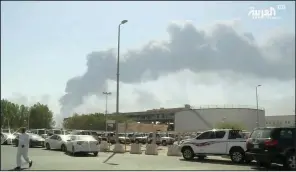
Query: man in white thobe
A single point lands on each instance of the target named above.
(22, 150)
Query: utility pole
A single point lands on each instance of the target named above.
(257, 105)
(117, 79)
(106, 110)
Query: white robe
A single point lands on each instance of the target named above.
(22, 150)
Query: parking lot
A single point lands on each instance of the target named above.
(57, 160)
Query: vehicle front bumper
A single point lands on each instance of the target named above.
(37, 143)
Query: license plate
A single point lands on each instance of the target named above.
(256, 146)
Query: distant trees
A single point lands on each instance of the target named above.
(94, 121)
(40, 116)
(14, 115)
(229, 125)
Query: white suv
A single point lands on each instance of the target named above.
(215, 143)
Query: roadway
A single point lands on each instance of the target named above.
(56, 160)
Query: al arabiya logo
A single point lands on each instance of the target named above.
(267, 13)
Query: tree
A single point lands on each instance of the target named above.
(230, 125)
(40, 116)
(10, 114)
(15, 116)
(95, 121)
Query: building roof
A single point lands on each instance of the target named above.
(154, 111)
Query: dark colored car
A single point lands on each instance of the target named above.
(272, 145)
(35, 141)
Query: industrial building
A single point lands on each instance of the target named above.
(161, 115)
(280, 121)
(202, 119)
(189, 118)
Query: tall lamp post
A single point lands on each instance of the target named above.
(106, 111)
(257, 105)
(117, 90)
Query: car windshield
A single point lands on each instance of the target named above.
(121, 135)
(261, 133)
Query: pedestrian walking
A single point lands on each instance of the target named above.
(23, 148)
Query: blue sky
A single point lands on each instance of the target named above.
(43, 44)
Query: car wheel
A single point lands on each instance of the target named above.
(237, 156)
(188, 153)
(137, 141)
(96, 153)
(63, 148)
(47, 146)
(290, 163)
(164, 143)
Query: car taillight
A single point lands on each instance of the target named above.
(270, 142)
(79, 143)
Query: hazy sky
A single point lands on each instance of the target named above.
(46, 44)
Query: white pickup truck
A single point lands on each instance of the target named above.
(217, 142)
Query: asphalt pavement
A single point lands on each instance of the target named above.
(57, 160)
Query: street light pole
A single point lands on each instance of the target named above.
(257, 105)
(117, 88)
(106, 111)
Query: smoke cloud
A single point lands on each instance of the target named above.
(216, 49)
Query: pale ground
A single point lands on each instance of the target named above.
(56, 160)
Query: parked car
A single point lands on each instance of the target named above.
(51, 132)
(140, 138)
(123, 138)
(82, 144)
(86, 132)
(35, 140)
(160, 139)
(41, 132)
(215, 142)
(7, 130)
(96, 135)
(57, 141)
(7, 138)
(273, 145)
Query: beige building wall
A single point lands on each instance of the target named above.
(280, 121)
(139, 127)
(189, 121)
